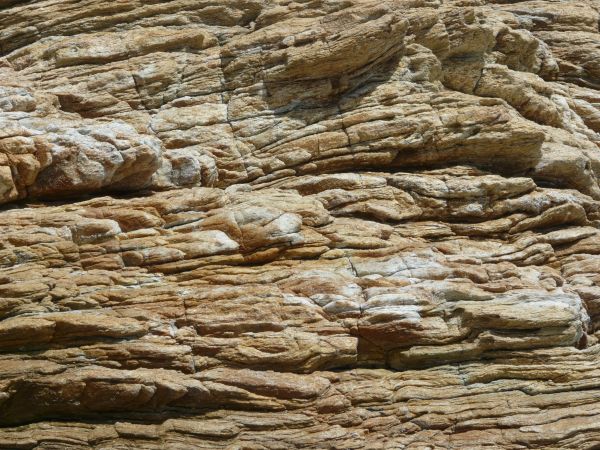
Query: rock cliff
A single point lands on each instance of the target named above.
(274, 224)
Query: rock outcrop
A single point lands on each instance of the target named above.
(267, 224)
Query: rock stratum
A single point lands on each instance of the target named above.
(332, 224)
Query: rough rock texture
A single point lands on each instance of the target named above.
(266, 224)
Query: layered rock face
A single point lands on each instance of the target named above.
(332, 224)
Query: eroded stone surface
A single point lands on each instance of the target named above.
(266, 224)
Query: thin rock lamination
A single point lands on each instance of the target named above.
(264, 224)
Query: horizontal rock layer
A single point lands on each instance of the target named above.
(265, 224)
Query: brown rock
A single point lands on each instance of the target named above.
(262, 224)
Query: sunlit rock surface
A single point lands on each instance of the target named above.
(332, 224)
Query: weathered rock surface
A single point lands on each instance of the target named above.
(265, 224)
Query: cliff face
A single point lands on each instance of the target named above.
(265, 224)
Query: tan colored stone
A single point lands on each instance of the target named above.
(263, 224)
